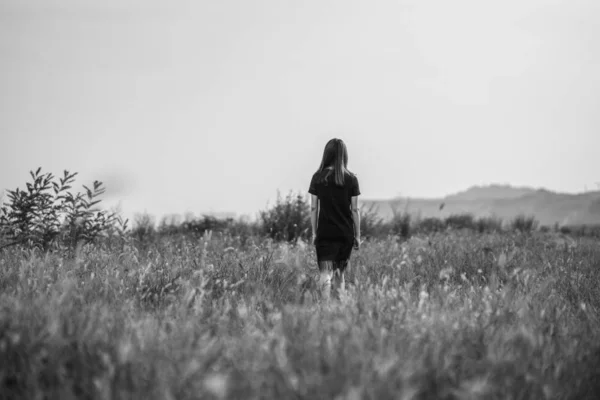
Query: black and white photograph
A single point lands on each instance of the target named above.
(299, 199)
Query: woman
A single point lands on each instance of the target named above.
(335, 218)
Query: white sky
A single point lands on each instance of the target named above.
(215, 105)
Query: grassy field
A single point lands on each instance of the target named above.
(449, 316)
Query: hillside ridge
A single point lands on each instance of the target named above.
(503, 201)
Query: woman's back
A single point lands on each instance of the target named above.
(335, 214)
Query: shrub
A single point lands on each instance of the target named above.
(524, 223)
(581, 230)
(488, 224)
(400, 224)
(206, 223)
(47, 213)
(460, 221)
(143, 229)
(371, 224)
(288, 219)
(169, 224)
(430, 225)
(243, 229)
(239, 227)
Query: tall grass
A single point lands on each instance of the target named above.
(455, 316)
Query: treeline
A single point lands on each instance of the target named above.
(289, 220)
(48, 215)
(405, 225)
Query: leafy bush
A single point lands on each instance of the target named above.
(430, 225)
(371, 224)
(400, 224)
(288, 219)
(580, 230)
(48, 214)
(174, 227)
(524, 223)
(488, 224)
(241, 228)
(169, 224)
(206, 223)
(143, 229)
(460, 221)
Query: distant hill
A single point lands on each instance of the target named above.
(502, 201)
(492, 192)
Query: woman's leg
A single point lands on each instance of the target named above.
(339, 283)
(326, 272)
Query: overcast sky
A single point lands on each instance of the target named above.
(194, 106)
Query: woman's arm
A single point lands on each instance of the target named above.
(356, 218)
(314, 213)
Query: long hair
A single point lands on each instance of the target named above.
(335, 155)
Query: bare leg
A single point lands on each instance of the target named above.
(326, 272)
(338, 277)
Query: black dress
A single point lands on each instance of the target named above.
(335, 227)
